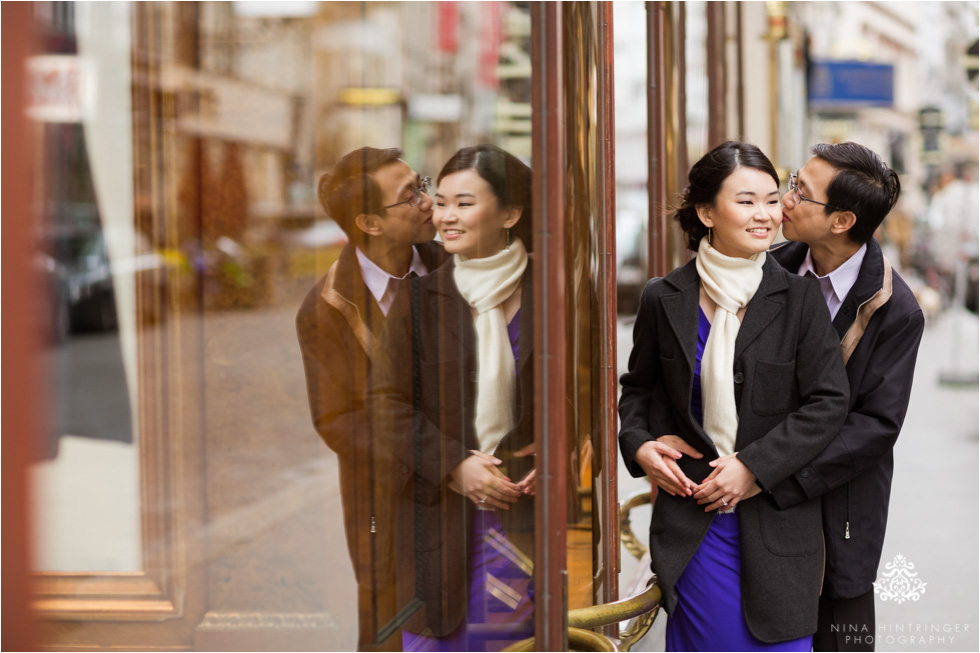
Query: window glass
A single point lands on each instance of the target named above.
(236, 406)
(696, 78)
(90, 261)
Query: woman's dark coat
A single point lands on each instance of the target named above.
(791, 396)
(433, 520)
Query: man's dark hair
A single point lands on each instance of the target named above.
(350, 189)
(508, 177)
(863, 184)
(706, 179)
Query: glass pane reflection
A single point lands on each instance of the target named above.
(89, 260)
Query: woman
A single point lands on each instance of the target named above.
(737, 360)
(453, 388)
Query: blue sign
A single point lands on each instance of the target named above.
(851, 84)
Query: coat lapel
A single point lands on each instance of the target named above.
(525, 338)
(349, 283)
(681, 309)
(870, 280)
(763, 307)
(452, 310)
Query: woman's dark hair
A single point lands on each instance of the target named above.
(706, 178)
(862, 184)
(508, 177)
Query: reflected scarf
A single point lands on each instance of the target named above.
(485, 283)
(730, 283)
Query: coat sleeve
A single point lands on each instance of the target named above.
(391, 399)
(872, 427)
(644, 408)
(336, 374)
(822, 386)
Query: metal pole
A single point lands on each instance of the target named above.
(657, 263)
(548, 163)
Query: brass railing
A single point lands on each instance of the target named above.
(626, 534)
(578, 640)
(639, 611)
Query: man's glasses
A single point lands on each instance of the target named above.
(799, 197)
(416, 197)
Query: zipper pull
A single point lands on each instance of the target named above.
(847, 529)
(374, 530)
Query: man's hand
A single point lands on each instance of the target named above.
(478, 478)
(729, 483)
(658, 458)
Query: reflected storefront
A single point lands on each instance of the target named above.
(182, 495)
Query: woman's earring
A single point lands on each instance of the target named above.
(709, 235)
(507, 236)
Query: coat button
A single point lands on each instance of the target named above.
(474, 377)
(738, 377)
(805, 472)
(403, 469)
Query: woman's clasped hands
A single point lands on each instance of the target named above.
(479, 479)
(730, 481)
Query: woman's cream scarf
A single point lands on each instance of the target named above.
(731, 283)
(485, 283)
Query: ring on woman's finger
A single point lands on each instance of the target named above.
(723, 502)
(484, 499)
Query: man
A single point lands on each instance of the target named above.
(833, 208)
(835, 203)
(384, 208)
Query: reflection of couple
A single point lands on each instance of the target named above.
(736, 403)
(441, 476)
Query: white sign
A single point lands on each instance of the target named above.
(60, 87)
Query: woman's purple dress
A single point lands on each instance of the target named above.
(708, 616)
(501, 583)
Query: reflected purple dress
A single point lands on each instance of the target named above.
(501, 583)
(708, 616)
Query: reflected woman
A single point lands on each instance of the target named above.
(453, 390)
(735, 382)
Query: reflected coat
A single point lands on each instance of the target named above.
(433, 520)
(337, 326)
(791, 397)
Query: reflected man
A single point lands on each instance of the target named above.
(384, 208)
(835, 203)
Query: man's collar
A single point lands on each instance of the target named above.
(376, 279)
(843, 278)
